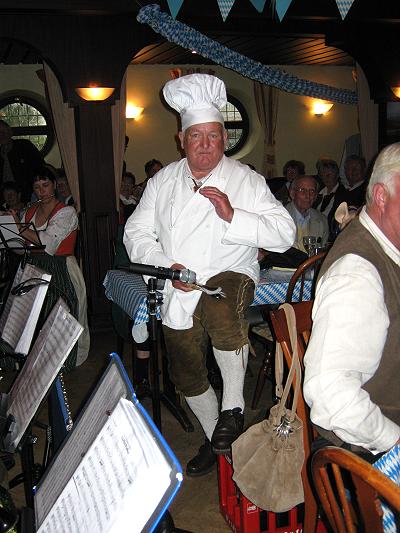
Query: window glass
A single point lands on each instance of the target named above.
(28, 120)
(236, 124)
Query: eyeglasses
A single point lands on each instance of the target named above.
(302, 190)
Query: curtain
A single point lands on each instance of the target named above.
(118, 132)
(368, 117)
(266, 99)
(64, 125)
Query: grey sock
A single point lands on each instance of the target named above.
(233, 369)
(205, 407)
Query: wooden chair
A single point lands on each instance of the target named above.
(300, 275)
(363, 511)
(312, 263)
(303, 325)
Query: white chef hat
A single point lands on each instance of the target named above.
(197, 97)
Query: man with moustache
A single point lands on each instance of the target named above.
(209, 214)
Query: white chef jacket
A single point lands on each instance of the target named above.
(172, 224)
(350, 322)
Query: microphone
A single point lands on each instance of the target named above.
(184, 275)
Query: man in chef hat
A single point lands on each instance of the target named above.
(210, 214)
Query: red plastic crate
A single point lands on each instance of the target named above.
(243, 516)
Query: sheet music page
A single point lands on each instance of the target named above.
(10, 298)
(55, 341)
(111, 388)
(119, 482)
(10, 232)
(20, 324)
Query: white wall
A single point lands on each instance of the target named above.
(299, 134)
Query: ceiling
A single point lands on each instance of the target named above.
(298, 40)
(269, 50)
(311, 33)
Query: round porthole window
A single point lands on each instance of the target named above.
(29, 120)
(236, 124)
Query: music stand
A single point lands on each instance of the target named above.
(13, 239)
(17, 408)
(114, 471)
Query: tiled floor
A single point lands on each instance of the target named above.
(196, 507)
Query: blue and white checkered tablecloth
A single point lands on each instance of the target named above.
(129, 291)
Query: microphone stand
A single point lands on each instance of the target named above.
(166, 524)
(154, 299)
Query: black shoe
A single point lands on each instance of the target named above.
(142, 389)
(203, 462)
(228, 428)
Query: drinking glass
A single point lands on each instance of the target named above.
(310, 245)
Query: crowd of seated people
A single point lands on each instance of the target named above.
(330, 191)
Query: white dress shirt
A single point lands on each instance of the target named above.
(350, 323)
(173, 224)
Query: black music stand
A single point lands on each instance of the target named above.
(168, 396)
(13, 240)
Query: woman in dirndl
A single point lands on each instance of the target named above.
(57, 225)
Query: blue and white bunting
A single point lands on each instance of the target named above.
(225, 6)
(191, 39)
(174, 7)
(258, 4)
(344, 7)
(281, 7)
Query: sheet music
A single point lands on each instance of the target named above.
(55, 341)
(119, 482)
(95, 414)
(10, 232)
(10, 298)
(24, 312)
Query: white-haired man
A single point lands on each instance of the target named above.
(210, 214)
(303, 191)
(352, 362)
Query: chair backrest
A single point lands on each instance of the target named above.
(357, 507)
(309, 267)
(303, 326)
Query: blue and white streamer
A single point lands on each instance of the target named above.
(189, 38)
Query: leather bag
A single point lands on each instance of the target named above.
(268, 458)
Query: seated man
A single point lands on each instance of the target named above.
(331, 195)
(309, 221)
(63, 190)
(352, 362)
(355, 170)
(210, 214)
(291, 170)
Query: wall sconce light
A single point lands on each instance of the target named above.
(95, 94)
(133, 111)
(396, 91)
(320, 107)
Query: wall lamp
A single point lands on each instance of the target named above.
(320, 107)
(133, 111)
(95, 94)
(396, 91)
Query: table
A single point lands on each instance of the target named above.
(129, 291)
